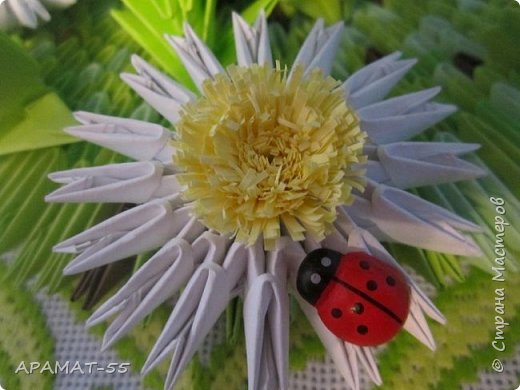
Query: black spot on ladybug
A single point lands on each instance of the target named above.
(390, 281)
(358, 308)
(364, 264)
(362, 329)
(372, 285)
(336, 313)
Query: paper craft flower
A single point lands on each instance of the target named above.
(28, 13)
(266, 164)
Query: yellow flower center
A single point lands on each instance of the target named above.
(265, 155)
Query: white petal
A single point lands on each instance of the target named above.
(208, 277)
(417, 326)
(294, 255)
(166, 283)
(252, 43)
(23, 13)
(136, 139)
(412, 164)
(360, 212)
(256, 266)
(126, 310)
(169, 255)
(366, 357)
(403, 117)
(158, 90)
(343, 357)
(28, 12)
(376, 172)
(210, 247)
(373, 82)
(310, 244)
(266, 323)
(134, 231)
(268, 377)
(426, 304)
(120, 183)
(344, 223)
(353, 361)
(319, 48)
(163, 275)
(199, 61)
(411, 220)
(199, 307)
(395, 215)
(160, 82)
(399, 105)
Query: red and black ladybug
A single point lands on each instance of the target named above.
(359, 298)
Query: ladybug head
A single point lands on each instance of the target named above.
(315, 273)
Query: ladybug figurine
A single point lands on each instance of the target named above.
(359, 298)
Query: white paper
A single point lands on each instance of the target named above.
(26, 13)
(408, 219)
(266, 323)
(320, 48)
(198, 60)
(131, 232)
(133, 138)
(373, 82)
(200, 305)
(158, 280)
(138, 182)
(413, 164)
(252, 43)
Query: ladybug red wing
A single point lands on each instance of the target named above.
(365, 301)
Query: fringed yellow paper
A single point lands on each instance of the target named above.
(265, 154)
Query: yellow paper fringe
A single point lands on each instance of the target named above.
(265, 155)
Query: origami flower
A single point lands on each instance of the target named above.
(266, 164)
(28, 13)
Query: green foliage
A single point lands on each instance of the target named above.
(31, 117)
(20, 84)
(330, 10)
(24, 338)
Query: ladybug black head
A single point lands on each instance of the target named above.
(315, 273)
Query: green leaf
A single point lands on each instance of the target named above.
(147, 25)
(330, 10)
(41, 127)
(30, 117)
(24, 338)
(251, 12)
(20, 82)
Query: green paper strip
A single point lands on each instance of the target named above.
(42, 126)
